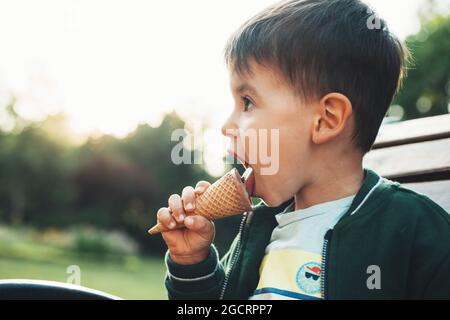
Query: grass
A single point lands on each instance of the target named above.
(144, 280)
(133, 277)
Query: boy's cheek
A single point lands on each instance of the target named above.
(281, 180)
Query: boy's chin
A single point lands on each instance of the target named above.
(272, 201)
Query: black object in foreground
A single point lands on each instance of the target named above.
(24, 289)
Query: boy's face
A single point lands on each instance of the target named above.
(279, 155)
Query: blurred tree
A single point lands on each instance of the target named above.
(107, 184)
(33, 174)
(48, 181)
(121, 183)
(426, 89)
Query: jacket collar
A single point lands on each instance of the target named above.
(369, 187)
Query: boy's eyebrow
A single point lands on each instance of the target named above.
(246, 87)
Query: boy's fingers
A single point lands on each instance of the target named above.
(165, 218)
(188, 199)
(201, 186)
(176, 206)
(199, 224)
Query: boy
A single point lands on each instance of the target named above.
(327, 227)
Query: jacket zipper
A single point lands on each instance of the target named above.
(326, 240)
(233, 258)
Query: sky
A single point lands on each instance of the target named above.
(110, 65)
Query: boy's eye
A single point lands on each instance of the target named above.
(248, 103)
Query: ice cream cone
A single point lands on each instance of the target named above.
(226, 197)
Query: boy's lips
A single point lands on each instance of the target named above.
(248, 178)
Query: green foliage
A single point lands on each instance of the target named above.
(107, 183)
(79, 243)
(33, 176)
(102, 244)
(426, 89)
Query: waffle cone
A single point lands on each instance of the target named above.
(226, 197)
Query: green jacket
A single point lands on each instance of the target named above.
(403, 233)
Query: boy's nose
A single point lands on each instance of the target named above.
(229, 128)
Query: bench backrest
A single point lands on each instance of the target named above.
(417, 154)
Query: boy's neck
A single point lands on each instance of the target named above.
(332, 183)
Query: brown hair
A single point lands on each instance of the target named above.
(322, 46)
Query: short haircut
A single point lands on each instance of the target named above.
(323, 46)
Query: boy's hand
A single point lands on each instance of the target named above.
(188, 245)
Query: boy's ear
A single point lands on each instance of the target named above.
(331, 116)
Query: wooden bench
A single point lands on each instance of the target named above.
(415, 153)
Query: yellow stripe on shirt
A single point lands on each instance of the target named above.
(290, 273)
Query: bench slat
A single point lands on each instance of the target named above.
(438, 191)
(412, 160)
(417, 130)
